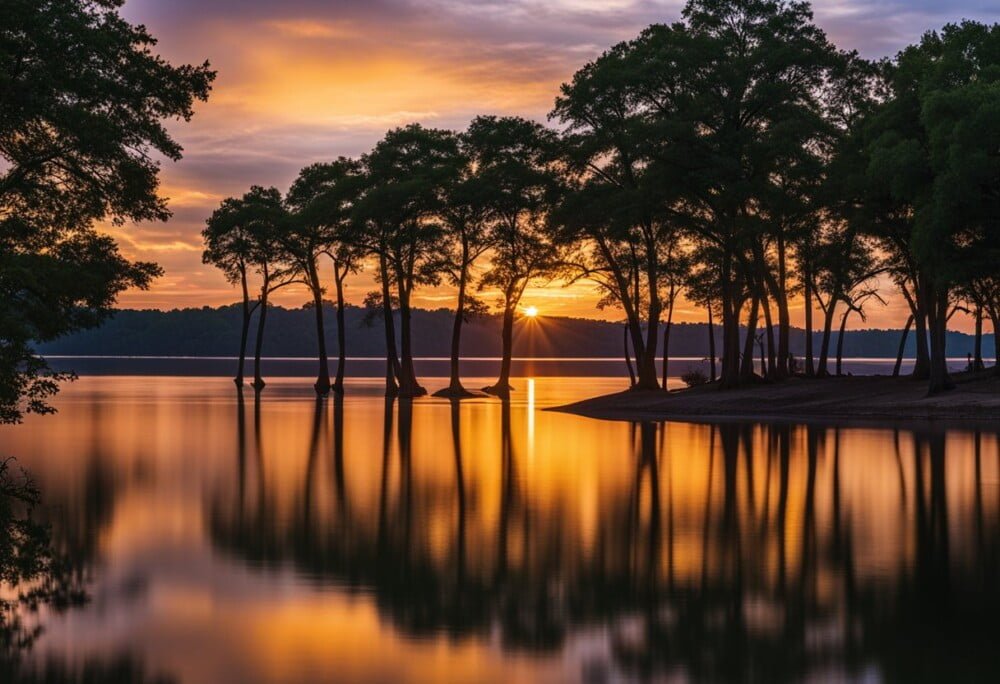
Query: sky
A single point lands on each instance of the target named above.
(301, 81)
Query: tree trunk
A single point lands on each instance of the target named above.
(781, 301)
(730, 328)
(455, 388)
(322, 385)
(995, 318)
(747, 369)
(258, 380)
(628, 359)
(807, 278)
(773, 371)
(391, 357)
(824, 349)
(666, 343)
(245, 330)
(502, 386)
(840, 342)
(902, 347)
(338, 383)
(937, 311)
(408, 385)
(711, 342)
(977, 356)
(922, 362)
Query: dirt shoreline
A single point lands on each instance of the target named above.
(861, 399)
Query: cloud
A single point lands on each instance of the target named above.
(306, 80)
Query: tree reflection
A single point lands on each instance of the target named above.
(762, 584)
(39, 572)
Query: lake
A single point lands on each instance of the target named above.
(214, 538)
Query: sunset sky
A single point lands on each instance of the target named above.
(301, 81)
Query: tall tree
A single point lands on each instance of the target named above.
(615, 218)
(934, 173)
(81, 124)
(735, 99)
(230, 247)
(464, 214)
(398, 219)
(512, 155)
(324, 196)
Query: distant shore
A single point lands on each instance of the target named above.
(857, 398)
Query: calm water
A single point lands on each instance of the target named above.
(296, 541)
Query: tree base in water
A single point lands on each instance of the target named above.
(455, 392)
(499, 390)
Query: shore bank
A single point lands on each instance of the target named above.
(857, 398)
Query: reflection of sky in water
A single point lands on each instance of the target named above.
(474, 543)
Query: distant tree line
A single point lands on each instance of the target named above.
(290, 332)
(735, 156)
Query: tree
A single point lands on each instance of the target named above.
(81, 122)
(464, 214)
(932, 165)
(324, 196)
(615, 217)
(398, 223)
(732, 109)
(240, 238)
(512, 157)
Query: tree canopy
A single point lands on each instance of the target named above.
(83, 101)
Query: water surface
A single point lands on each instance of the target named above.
(289, 540)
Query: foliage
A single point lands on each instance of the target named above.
(81, 120)
(694, 377)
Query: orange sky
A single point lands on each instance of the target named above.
(307, 80)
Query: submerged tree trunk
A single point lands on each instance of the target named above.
(902, 347)
(338, 276)
(408, 385)
(322, 385)
(455, 388)
(502, 386)
(258, 380)
(711, 343)
(244, 331)
(389, 325)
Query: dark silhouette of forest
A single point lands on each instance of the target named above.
(211, 331)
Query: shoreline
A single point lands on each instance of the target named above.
(856, 399)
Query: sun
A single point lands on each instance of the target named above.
(531, 311)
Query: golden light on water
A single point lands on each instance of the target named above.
(296, 523)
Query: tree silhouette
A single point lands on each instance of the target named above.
(512, 158)
(81, 126)
(465, 214)
(407, 173)
(242, 238)
(323, 197)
